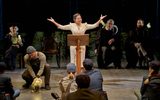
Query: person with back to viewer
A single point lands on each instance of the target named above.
(96, 78)
(67, 84)
(6, 86)
(150, 89)
(83, 92)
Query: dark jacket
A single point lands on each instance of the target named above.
(6, 85)
(103, 36)
(85, 94)
(139, 35)
(151, 91)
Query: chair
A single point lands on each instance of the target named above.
(50, 48)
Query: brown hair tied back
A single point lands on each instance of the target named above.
(75, 15)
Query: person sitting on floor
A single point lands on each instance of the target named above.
(83, 92)
(150, 89)
(67, 84)
(6, 86)
(96, 79)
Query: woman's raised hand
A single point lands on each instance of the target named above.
(50, 19)
(102, 17)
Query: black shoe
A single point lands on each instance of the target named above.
(26, 86)
(47, 87)
(147, 58)
(55, 96)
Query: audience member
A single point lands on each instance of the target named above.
(83, 92)
(150, 89)
(96, 79)
(67, 84)
(6, 86)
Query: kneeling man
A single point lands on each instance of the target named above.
(36, 66)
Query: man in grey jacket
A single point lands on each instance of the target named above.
(36, 66)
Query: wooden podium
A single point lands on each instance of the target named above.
(78, 40)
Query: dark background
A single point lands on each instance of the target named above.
(31, 15)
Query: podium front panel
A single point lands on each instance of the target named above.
(72, 40)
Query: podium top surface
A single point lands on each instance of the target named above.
(73, 40)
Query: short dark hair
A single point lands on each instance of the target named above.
(155, 65)
(88, 64)
(2, 67)
(83, 81)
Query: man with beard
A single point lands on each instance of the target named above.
(138, 45)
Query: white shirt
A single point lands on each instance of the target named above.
(78, 29)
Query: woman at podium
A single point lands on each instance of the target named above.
(77, 28)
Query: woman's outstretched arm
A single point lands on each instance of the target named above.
(92, 26)
(62, 27)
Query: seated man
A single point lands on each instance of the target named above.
(36, 65)
(6, 86)
(96, 79)
(150, 89)
(67, 83)
(83, 92)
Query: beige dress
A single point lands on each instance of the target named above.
(78, 30)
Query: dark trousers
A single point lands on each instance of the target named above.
(10, 57)
(107, 56)
(134, 59)
(29, 79)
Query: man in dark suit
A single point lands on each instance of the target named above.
(6, 87)
(83, 92)
(138, 46)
